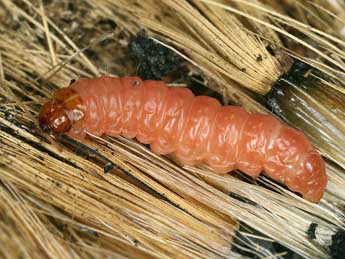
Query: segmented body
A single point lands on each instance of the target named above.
(198, 129)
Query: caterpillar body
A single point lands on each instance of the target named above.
(197, 129)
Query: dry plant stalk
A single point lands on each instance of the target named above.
(149, 207)
(19, 224)
(326, 15)
(111, 205)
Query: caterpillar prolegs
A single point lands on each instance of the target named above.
(197, 129)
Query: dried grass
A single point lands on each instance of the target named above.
(56, 202)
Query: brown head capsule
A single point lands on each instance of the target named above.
(64, 110)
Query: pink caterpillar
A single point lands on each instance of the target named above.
(197, 129)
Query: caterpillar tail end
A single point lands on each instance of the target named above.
(310, 179)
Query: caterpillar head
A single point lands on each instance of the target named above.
(64, 110)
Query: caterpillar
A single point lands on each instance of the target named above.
(196, 129)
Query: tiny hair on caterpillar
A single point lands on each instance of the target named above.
(196, 129)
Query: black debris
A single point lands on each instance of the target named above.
(259, 58)
(270, 50)
(86, 151)
(311, 230)
(8, 116)
(261, 243)
(243, 199)
(337, 247)
(297, 73)
(108, 167)
(154, 60)
(72, 81)
(107, 23)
